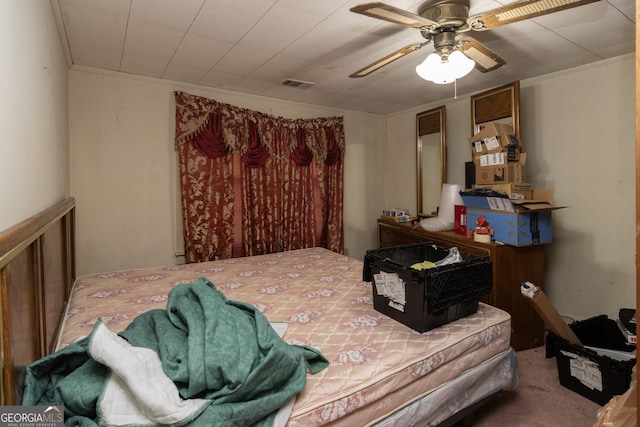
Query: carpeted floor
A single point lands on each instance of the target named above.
(539, 400)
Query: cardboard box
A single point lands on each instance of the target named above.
(496, 169)
(513, 153)
(495, 138)
(598, 369)
(460, 219)
(514, 222)
(515, 191)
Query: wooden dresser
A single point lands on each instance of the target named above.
(511, 266)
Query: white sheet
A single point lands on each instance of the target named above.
(138, 392)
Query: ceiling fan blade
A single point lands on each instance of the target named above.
(392, 14)
(519, 11)
(387, 59)
(486, 59)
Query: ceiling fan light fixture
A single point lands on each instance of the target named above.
(439, 71)
(441, 21)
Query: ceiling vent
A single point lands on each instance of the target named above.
(301, 84)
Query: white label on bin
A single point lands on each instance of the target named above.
(500, 204)
(585, 371)
(390, 285)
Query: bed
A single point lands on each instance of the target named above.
(380, 372)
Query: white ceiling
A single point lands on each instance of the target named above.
(253, 45)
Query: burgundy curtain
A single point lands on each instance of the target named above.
(289, 174)
(260, 199)
(207, 204)
(330, 175)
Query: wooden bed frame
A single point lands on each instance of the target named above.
(37, 270)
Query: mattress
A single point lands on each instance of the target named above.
(377, 365)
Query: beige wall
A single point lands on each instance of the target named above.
(579, 143)
(578, 128)
(123, 168)
(34, 150)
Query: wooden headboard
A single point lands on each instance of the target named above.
(37, 270)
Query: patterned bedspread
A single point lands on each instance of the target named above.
(376, 363)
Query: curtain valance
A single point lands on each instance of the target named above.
(253, 135)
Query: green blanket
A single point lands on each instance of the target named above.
(223, 357)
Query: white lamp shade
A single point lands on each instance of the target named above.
(435, 70)
(460, 63)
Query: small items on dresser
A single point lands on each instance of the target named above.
(482, 232)
(397, 215)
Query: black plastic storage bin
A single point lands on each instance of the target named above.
(433, 296)
(597, 377)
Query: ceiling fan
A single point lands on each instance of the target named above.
(441, 21)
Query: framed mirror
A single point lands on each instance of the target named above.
(431, 159)
(501, 104)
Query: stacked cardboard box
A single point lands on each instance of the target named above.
(498, 155)
(516, 213)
